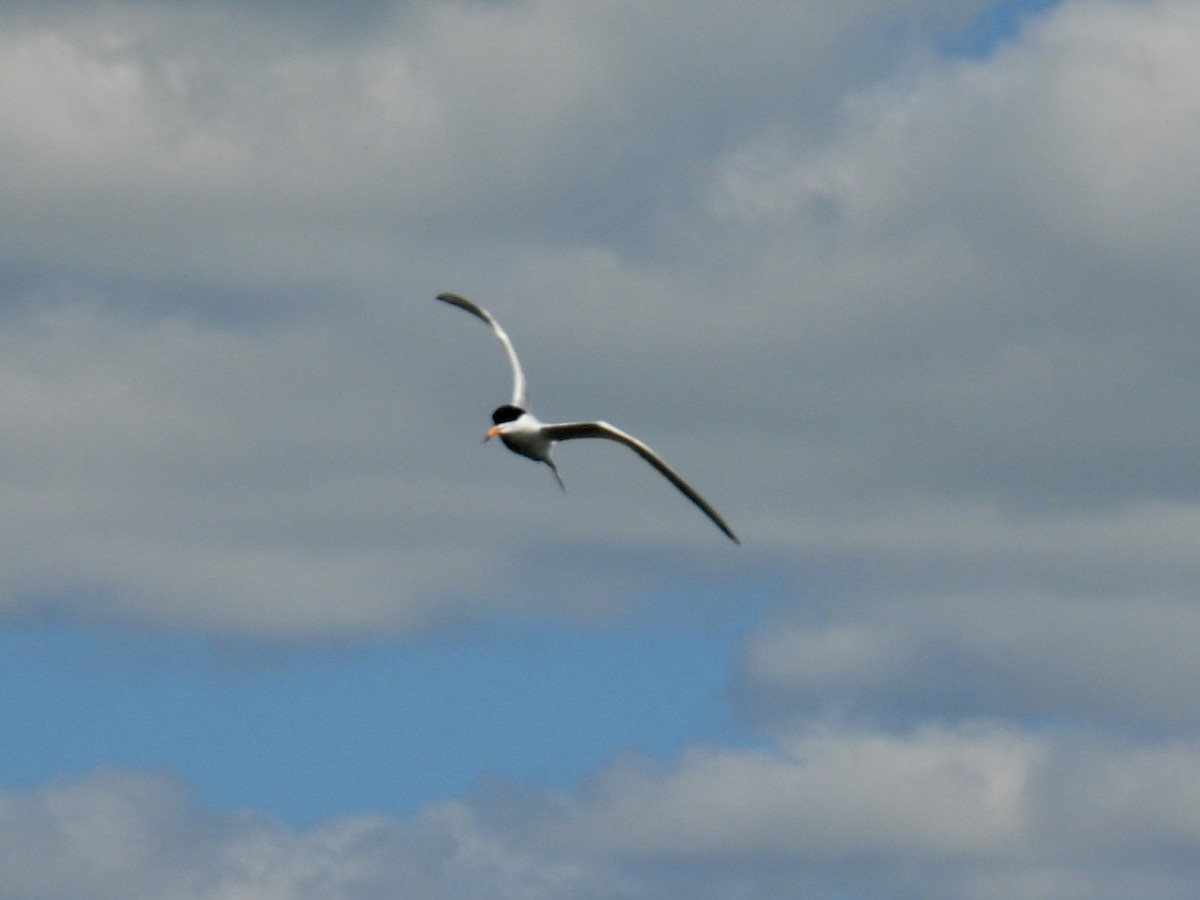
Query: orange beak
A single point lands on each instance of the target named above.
(491, 433)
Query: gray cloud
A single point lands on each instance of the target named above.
(921, 298)
(1123, 663)
(978, 299)
(228, 238)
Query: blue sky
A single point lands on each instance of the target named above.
(906, 289)
(992, 25)
(375, 725)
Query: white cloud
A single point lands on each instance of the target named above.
(121, 834)
(972, 812)
(817, 795)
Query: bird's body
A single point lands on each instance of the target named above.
(525, 434)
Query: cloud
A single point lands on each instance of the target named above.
(977, 811)
(224, 232)
(207, 142)
(980, 308)
(990, 388)
(117, 833)
(1120, 663)
(814, 795)
(928, 291)
(918, 282)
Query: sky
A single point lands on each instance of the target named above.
(906, 288)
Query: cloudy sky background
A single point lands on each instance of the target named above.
(907, 288)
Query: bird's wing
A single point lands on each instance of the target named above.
(520, 393)
(566, 431)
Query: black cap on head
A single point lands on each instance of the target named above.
(506, 413)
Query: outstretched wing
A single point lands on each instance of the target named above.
(520, 393)
(567, 431)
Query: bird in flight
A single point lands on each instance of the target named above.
(523, 433)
